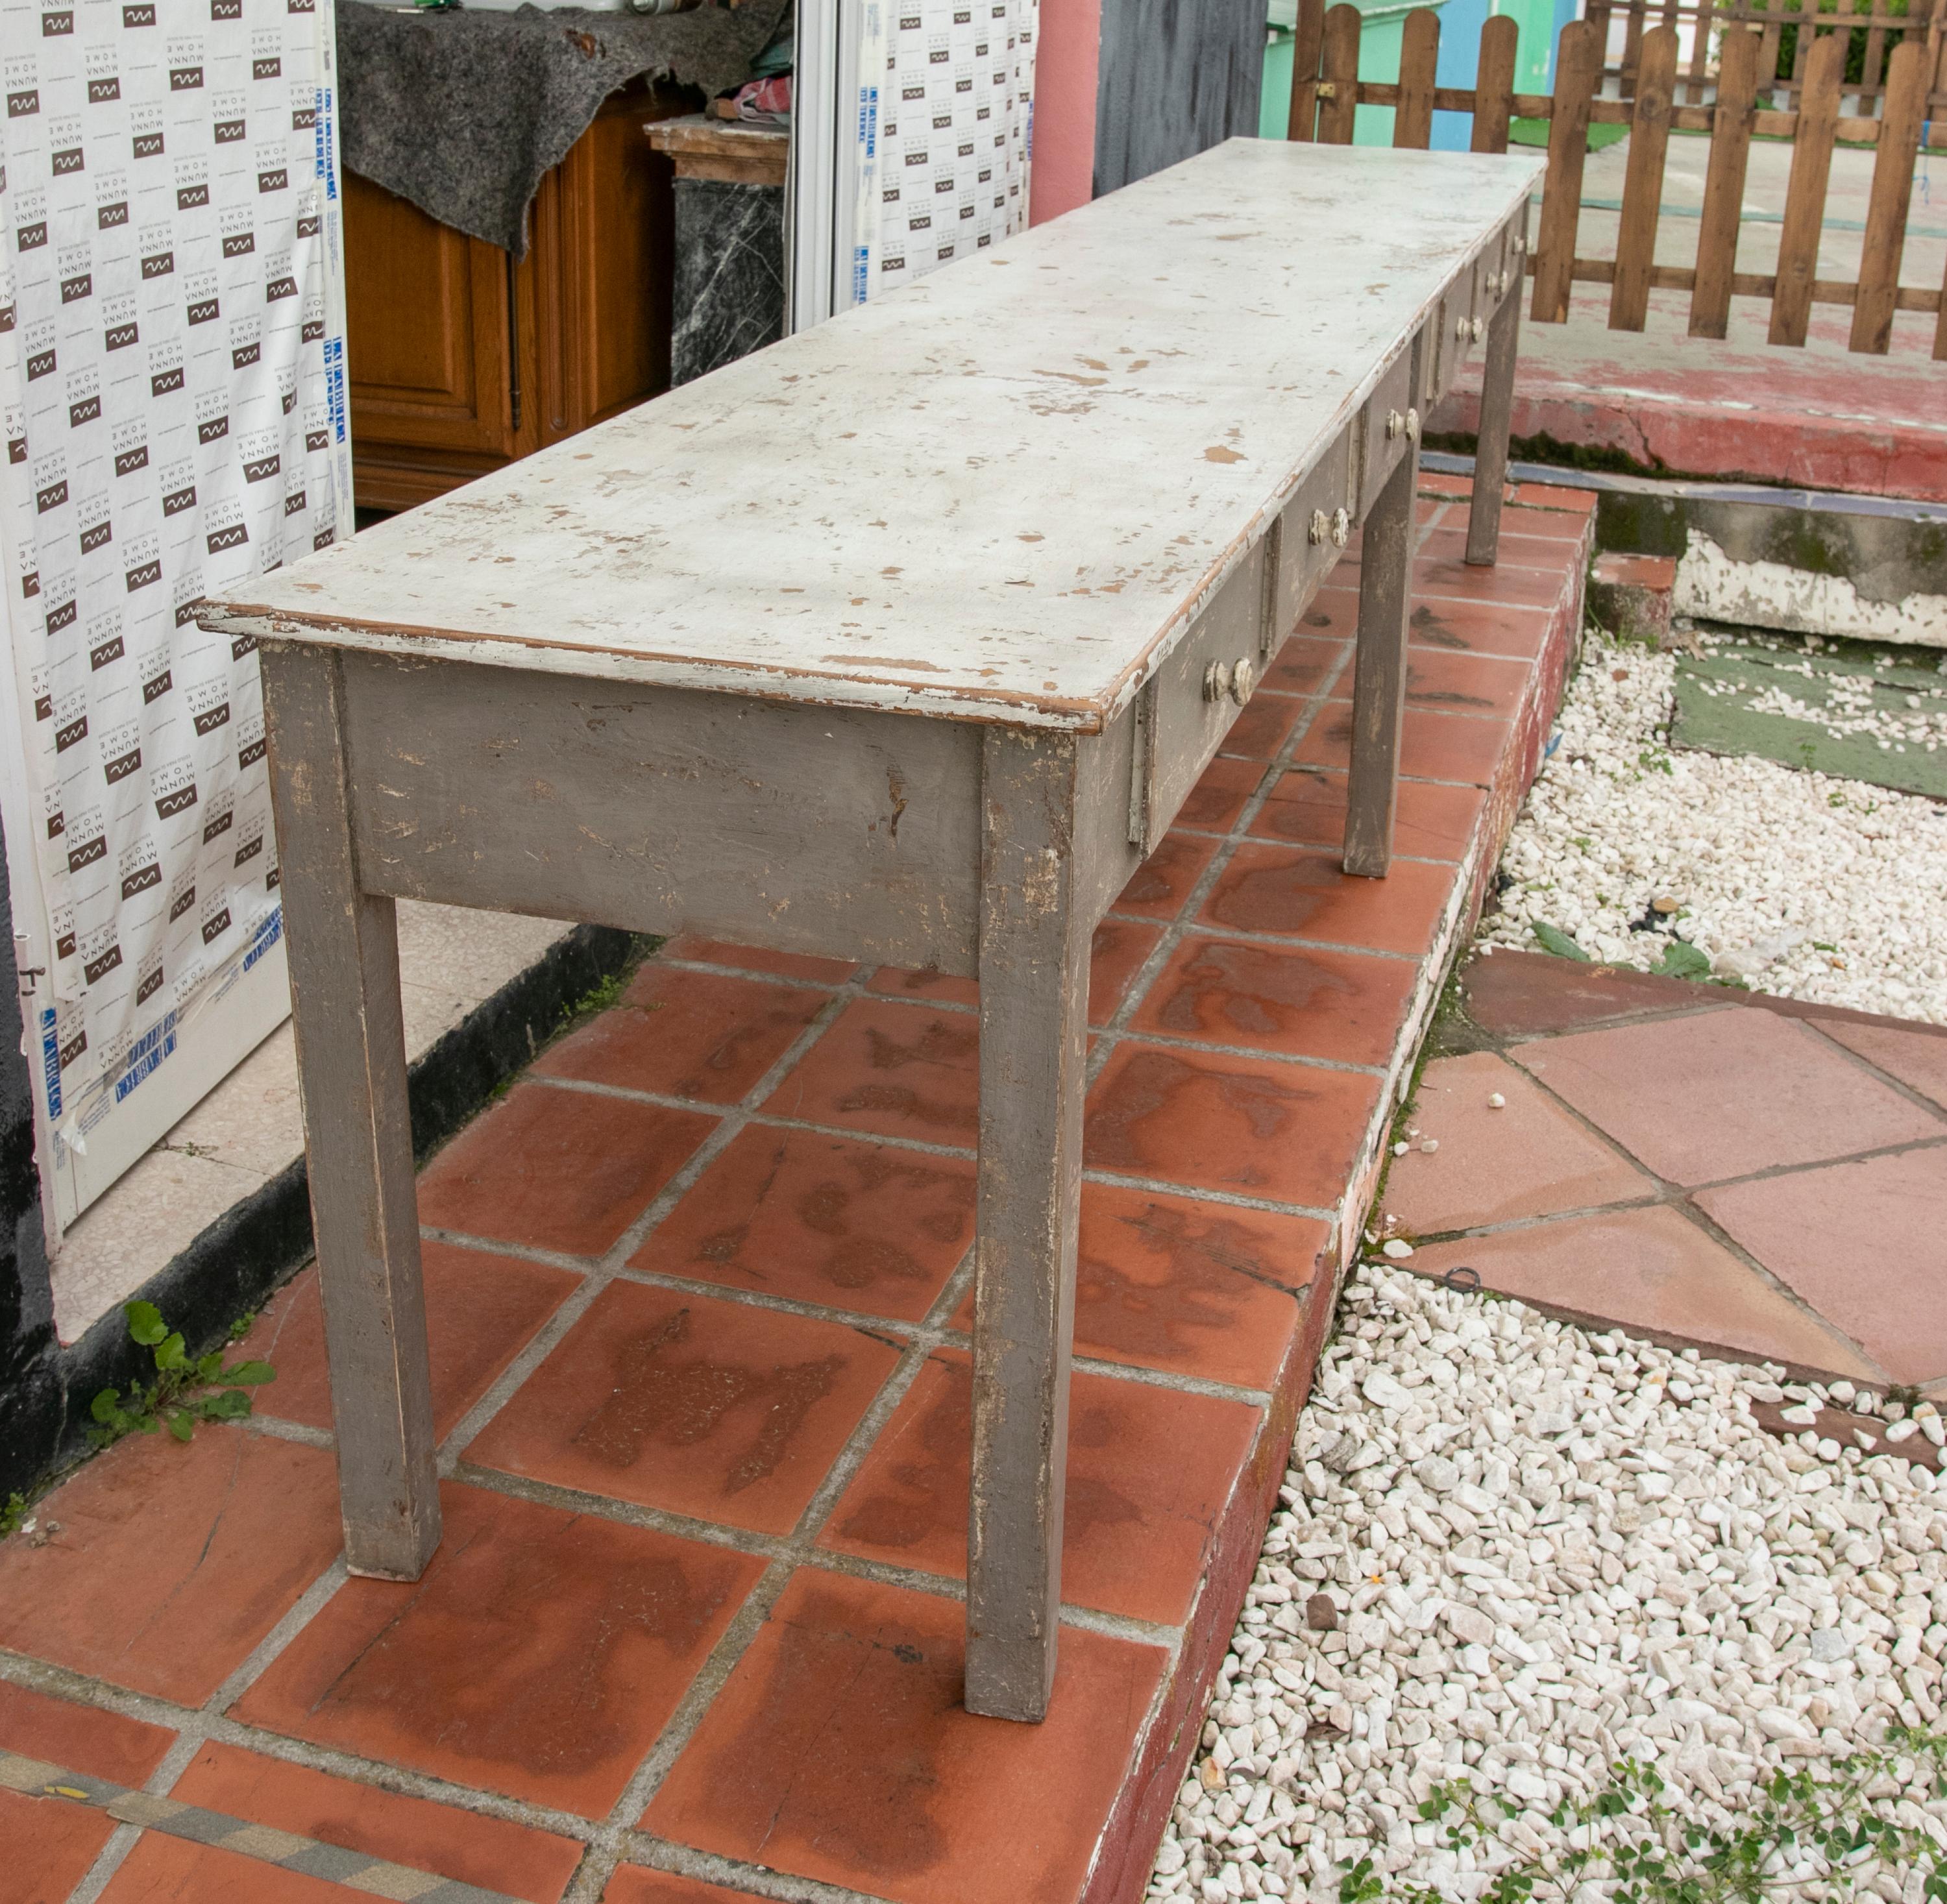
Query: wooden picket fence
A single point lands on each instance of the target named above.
(1868, 24)
(1327, 92)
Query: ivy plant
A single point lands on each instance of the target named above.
(1835, 1829)
(186, 1389)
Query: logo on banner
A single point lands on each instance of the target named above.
(209, 709)
(149, 982)
(172, 788)
(104, 83)
(215, 916)
(141, 868)
(66, 156)
(105, 641)
(157, 680)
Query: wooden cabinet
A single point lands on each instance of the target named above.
(462, 359)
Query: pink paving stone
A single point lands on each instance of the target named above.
(1862, 1243)
(1917, 1058)
(1531, 1157)
(1652, 1270)
(1723, 1093)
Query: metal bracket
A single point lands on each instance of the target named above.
(1142, 770)
(1270, 635)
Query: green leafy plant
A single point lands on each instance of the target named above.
(186, 1389)
(1833, 1828)
(12, 1515)
(1680, 959)
(1554, 940)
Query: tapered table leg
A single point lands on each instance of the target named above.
(1378, 677)
(1034, 996)
(351, 1079)
(1491, 444)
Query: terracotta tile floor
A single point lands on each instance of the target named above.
(699, 1294)
(1745, 1174)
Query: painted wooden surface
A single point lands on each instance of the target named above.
(1000, 493)
(351, 1081)
(1034, 933)
(1378, 672)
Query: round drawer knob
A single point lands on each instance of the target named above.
(1342, 528)
(1321, 525)
(1395, 425)
(1216, 681)
(1243, 678)
(1463, 329)
(1413, 426)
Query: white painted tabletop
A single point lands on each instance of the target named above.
(998, 493)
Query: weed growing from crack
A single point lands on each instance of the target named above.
(185, 1391)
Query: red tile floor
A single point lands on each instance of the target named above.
(1716, 1168)
(698, 1291)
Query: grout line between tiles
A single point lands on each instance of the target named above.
(107, 1861)
(1678, 1197)
(198, 1726)
(597, 1276)
(681, 1860)
(629, 1094)
(1863, 1063)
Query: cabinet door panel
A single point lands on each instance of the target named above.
(605, 251)
(427, 322)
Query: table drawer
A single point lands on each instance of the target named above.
(1188, 705)
(1385, 438)
(1462, 323)
(1316, 526)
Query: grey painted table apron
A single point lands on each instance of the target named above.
(901, 641)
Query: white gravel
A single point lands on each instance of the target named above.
(1549, 1550)
(1800, 884)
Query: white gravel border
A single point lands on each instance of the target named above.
(1802, 885)
(1548, 1550)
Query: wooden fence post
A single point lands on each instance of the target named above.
(1805, 197)
(1494, 83)
(1642, 183)
(1420, 61)
(1578, 71)
(1632, 51)
(1699, 57)
(1774, 33)
(1307, 41)
(1724, 181)
(1339, 91)
(1901, 114)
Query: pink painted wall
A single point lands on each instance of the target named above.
(1064, 107)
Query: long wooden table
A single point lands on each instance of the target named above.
(902, 641)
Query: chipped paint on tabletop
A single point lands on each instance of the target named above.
(1034, 468)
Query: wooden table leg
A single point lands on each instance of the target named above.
(1490, 441)
(1378, 677)
(1034, 998)
(344, 953)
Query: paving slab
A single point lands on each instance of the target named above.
(1724, 1094)
(699, 1297)
(1820, 1248)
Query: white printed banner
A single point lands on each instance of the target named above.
(172, 378)
(945, 132)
